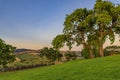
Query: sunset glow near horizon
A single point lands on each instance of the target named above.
(34, 23)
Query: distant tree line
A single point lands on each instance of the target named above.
(112, 50)
(113, 47)
(55, 55)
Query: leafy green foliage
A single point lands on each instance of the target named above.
(85, 53)
(112, 50)
(50, 54)
(70, 55)
(103, 6)
(59, 41)
(6, 53)
(103, 19)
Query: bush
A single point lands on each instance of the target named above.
(70, 55)
(85, 53)
(51, 54)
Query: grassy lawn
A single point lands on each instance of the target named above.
(107, 68)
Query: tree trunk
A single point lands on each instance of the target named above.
(83, 39)
(101, 53)
(91, 53)
(88, 46)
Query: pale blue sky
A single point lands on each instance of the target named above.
(34, 23)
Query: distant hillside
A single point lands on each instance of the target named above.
(23, 50)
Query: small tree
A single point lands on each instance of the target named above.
(50, 54)
(70, 55)
(6, 54)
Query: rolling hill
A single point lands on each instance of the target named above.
(23, 50)
(107, 68)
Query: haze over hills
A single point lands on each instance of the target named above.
(23, 50)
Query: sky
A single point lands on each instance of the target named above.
(34, 23)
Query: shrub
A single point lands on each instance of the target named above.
(51, 54)
(85, 53)
(70, 55)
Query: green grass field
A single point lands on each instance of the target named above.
(107, 68)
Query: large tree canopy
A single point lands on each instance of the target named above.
(91, 28)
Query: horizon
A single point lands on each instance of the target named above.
(32, 24)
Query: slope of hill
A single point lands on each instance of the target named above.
(23, 59)
(107, 68)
